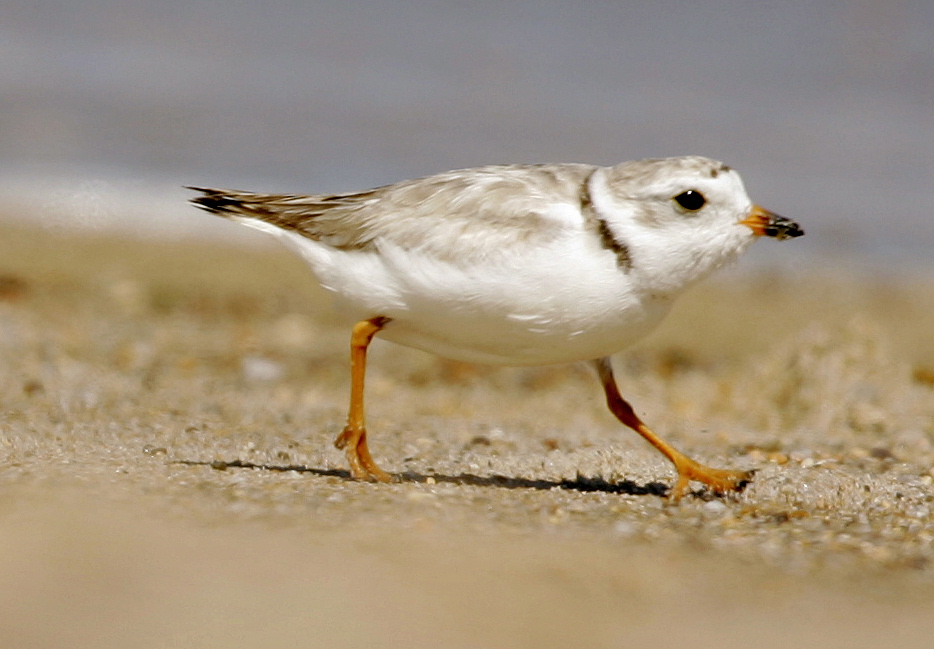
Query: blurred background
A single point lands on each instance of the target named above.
(827, 109)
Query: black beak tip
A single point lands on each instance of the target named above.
(782, 228)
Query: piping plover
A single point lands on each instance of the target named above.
(517, 265)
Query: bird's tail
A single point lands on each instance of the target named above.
(228, 202)
(254, 209)
(326, 218)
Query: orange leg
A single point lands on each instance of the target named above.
(353, 438)
(720, 480)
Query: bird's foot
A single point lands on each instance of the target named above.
(720, 481)
(362, 465)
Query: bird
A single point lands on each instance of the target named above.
(517, 265)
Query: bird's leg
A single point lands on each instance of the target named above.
(720, 480)
(353, 437)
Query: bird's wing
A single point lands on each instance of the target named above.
(455, 213)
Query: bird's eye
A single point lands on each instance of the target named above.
(691, 200)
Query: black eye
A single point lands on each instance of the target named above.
(691, 200)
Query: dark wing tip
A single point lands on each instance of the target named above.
(216, 201)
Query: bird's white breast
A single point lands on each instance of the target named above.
(562, 302)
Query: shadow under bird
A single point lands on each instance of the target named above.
(517, 265)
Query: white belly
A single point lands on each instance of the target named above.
(559, 304)
(501, 342)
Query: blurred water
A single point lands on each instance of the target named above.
(827, 109)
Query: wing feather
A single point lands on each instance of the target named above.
(470, 211)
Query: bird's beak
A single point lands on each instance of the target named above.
(769, 224)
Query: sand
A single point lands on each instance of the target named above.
(167, 477)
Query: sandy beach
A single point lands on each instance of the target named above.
(167, 477)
